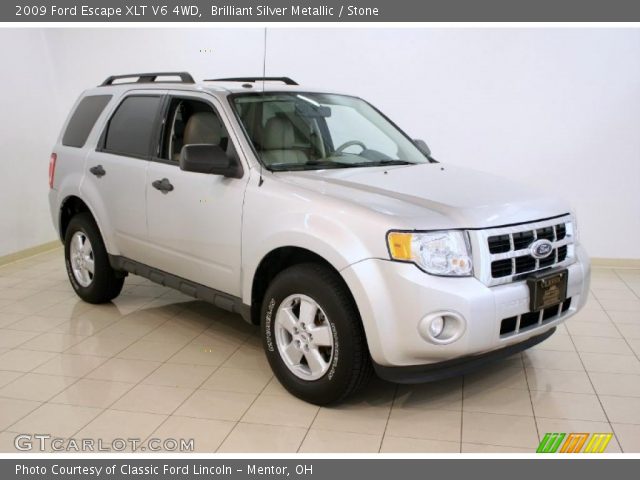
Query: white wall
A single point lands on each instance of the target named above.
(557, 108)
(28, 127)
(84, 58)
(49, 68)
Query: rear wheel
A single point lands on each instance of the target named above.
(87, 262)
(313, 335)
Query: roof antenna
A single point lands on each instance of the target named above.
(264, 74)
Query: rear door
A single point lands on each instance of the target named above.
(117, 170)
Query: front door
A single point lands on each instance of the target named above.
(194, 219)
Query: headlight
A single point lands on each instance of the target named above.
(439, 253)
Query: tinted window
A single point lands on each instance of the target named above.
(132, 127)
(83, 120)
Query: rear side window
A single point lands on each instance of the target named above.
(132, 127)
(83, 120)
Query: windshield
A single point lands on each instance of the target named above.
(305, 131)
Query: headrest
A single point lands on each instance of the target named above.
(203, 127)
(278, 134)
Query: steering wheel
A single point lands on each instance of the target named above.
(350, 143)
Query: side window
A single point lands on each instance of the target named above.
(191, 122)
(132, 127)
(83, 119)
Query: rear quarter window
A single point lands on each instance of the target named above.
(132, 127)
(83, 119)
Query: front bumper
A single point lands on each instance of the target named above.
(393, 298)
(457, 366)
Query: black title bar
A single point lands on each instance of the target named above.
(315, 469)
(320, 11)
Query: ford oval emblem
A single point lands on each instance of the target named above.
(541, 248)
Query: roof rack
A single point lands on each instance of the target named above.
(150, 78)
(285, 80)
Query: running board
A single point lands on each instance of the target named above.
(201, 292)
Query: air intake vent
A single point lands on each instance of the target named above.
(499, 243)
(502, 268)
(526, 321)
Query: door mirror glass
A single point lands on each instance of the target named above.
(423, 147)
(205, 158)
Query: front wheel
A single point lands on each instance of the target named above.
(87, 262)
(313, 335)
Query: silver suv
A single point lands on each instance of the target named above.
(313, 215)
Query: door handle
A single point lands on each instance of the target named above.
(98, 171)
(163, 185)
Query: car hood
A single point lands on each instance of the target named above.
(434, 195)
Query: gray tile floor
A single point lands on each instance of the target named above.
(156, 364)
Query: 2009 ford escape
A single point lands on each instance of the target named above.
(311, 214)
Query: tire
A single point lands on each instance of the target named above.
(347, 362)
(103, 284)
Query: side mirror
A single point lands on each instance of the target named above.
(205, 158)
(423, 147)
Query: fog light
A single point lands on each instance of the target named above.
(436, 326)
(442, 327)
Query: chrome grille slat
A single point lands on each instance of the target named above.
(494, 239)
(525, 251)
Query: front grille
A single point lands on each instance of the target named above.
(501, 268)
(508, 249)
(522, 240)
(561, 231)
(499, 243)
(525, 264)
(520, 323)
(548, 233)
(549, 261)
(562, 253)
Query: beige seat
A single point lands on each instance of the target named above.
(279, 143)
(203, 127)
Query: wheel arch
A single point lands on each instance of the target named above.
(277, 260)
(69, 207)
(73, 205)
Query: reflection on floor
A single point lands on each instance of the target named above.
(158, 365)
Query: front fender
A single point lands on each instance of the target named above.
(277, 214)
(332, 241)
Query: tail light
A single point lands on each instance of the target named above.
(52, 168)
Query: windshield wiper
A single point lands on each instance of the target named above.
(320, 164)
(381, 163)
(312, 165)
(326, 163)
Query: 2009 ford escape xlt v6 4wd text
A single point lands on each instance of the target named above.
(313, 215)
